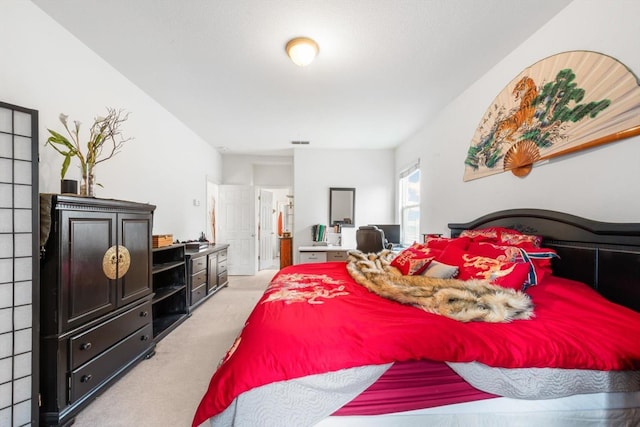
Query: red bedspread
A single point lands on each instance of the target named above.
(314, 318)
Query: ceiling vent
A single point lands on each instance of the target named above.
(300, 142)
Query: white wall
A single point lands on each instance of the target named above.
(370, 172)
(273, 175)
(45, 68)
(272, 171)
(599, 184)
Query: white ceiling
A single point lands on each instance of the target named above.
(385, 67)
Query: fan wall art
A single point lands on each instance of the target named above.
(564, 103)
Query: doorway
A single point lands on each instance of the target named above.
(274, 219)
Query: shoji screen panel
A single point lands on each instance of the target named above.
(19, 272)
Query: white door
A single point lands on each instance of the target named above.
(266, 233)
(236, 224)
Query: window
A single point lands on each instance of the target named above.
(409, 201)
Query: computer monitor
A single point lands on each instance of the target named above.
(391, 232)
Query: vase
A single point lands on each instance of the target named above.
(87, 186)
(69, 186)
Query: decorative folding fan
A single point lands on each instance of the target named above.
(567, 102)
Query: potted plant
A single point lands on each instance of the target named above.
(105, 141)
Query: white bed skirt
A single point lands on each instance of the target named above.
(306, 402)
(584, 410)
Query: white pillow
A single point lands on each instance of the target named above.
(441, 270)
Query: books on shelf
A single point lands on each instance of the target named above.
(318, 232)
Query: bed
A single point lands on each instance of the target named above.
(321, 349)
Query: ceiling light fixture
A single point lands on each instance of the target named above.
(302, 50)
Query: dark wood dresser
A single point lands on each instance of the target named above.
(206, 272)
(96, 290)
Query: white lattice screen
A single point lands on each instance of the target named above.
(19, 241)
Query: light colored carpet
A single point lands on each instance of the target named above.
(165, 390)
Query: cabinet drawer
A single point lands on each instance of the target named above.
(222, 265)
(96, 340)
(198, 264)
(198, 279)
(198, 294)
(222, 255)
(337, 255)
(313, 257)
(222, 279)
(94, 373)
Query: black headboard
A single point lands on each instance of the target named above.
(602, 254)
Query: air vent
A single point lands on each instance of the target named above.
(300, 142)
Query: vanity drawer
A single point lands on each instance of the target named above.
(337, 255)
(198, 279)
(93, 374)
(313, 257)
(96, 340)
(198, 264)
(222, 255)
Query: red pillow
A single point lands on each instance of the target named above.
(502, 236)
(503, 273)
(414, 260)
(482, 234)
(499, 252)
(540, 261)
(515, 238)
(443, 242)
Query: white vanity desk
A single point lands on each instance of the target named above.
(322, 253)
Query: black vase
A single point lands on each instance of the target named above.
(69, 186)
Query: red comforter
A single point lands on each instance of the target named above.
(314, 318)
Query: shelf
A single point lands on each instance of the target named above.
(157, 268)
(168, 247)
(165, 324)
(166, 292)
(170, 300)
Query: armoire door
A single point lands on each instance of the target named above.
(134, 235)
(86, 291)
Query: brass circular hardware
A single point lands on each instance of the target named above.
(124, 261)
(116, 262)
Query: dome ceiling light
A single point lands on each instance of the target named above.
(302, 50)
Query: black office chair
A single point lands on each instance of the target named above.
(370, 239)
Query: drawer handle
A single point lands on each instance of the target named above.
(144, 338)
(86, 378)
(144, 313)
(85, 346)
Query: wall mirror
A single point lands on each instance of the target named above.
(342, 205)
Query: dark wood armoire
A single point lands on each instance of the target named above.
(96, 290)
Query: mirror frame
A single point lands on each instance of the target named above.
(333, 221)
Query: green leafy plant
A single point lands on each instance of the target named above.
(105, 141)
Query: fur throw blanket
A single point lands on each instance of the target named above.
(463, 300)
